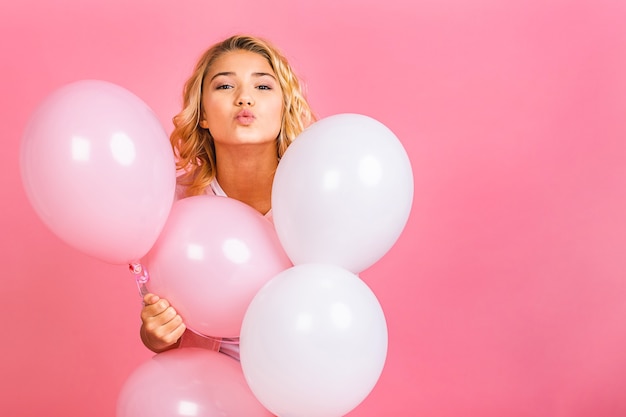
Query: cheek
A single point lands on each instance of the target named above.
(277, 111)
(213, 112)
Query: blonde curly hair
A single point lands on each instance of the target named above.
(193, 145)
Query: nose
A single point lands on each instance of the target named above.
(245, 98)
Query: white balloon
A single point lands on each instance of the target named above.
(342, 193)
(313, 342)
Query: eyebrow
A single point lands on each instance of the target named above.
(254, 74)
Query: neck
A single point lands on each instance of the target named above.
(247, 173)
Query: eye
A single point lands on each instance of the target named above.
(264, 87)
(223, 87)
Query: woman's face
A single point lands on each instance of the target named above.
(242, 100)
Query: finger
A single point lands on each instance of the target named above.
(150, 299)
(172, 325)
(152, 322)
(155, 309)
(178, 332)
(170, 332)
(164, 336)
(166, 316)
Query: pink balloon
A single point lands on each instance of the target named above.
(98, 169)
(212, 257)
(188, 382)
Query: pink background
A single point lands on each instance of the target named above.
(506, 293)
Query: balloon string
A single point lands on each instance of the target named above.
(141, 277)
(224, 340)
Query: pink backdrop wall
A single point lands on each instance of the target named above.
(506, 294)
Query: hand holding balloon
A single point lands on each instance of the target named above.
(162, 326)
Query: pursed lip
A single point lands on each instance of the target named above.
(245, 116)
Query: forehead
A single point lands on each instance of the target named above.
(240, 62)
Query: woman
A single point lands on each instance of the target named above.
(242, 107)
